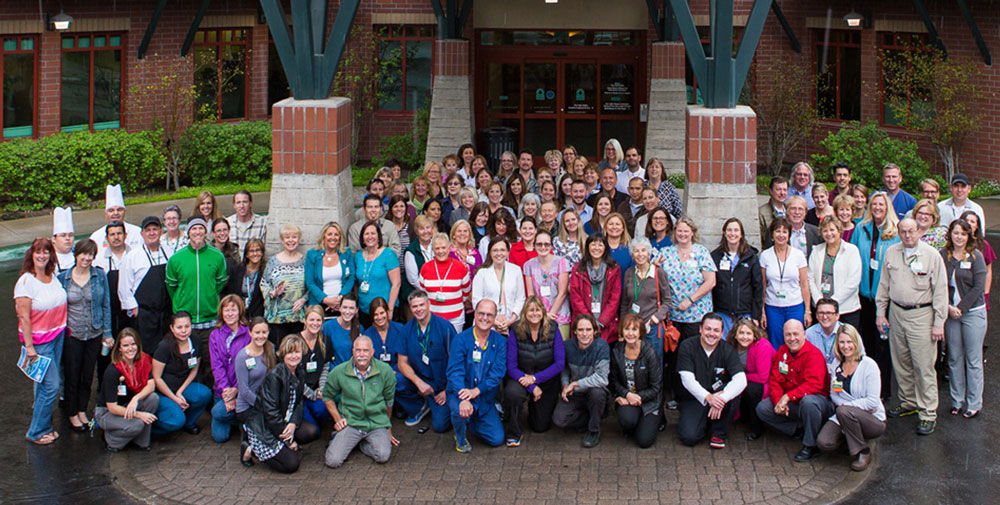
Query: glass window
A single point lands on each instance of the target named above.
(905, 71)
(558, 38)
(220, 67)
(617, 89)
(838, 74)
(405, 56)
(91, 82)
(17, 75)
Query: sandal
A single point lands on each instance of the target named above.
(969, 414)
(45, 439)
(955, 411)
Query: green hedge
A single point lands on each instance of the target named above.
(226, 152)
(75, 167)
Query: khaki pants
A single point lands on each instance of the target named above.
(913, 354)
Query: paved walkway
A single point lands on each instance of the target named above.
(549, 468)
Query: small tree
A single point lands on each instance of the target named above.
(927, 92)
(169, 101)
(784, 117)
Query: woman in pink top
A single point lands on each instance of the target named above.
(40, 302)
(755, 352)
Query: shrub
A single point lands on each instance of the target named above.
(227, 152)
(410, 147)
(985, 187)
(75, 167)
(867, 148)
(677, 179)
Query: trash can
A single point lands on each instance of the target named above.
(496, 140)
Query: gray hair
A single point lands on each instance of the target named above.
(639, 241)
(526, 198)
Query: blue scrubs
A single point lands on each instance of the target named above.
(341, 348)
(315, 362)
(393, 345)
(433, 343)
(485, 373)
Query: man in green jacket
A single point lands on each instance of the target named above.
(366, 388)
(195, 277)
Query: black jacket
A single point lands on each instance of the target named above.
(648, 375)
(267, 417)
(739, 291)
(235, 286)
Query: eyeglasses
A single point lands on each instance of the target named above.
(543, 244)
(826, 313)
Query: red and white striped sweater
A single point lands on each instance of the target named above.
(447, 284)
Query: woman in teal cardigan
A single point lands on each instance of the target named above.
(329, 269)
(873, 235)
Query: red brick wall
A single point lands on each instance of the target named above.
(721, 147)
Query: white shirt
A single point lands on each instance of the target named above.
(66, 260)
(783, 288)
(625, 176)
(486, 286)
(410, 264)
(133, 269)
(108, 261)
(133, 238)
(846, 276)
(949, 212)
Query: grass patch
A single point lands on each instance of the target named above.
(221, 188)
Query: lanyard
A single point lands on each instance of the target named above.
(423, 338)
(503, 292)
(781, 266)
(159, 254)
(635, 276)
(370, 264)
(446, 272)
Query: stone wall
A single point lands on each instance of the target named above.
(451, 104)
(667, 107)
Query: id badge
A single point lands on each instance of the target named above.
(783, 367)
(192, 362)
(717, 385)
(545, 291)
(363, 288)
(386, 357)
(438, 296)
(825, 288)
(635, 308)
(965, 265)
(691, 263)
(122, 390)
(425, 359)
(780, 295)
(310, 366)
(251, 363)
(477, 355)
(595, 307)
(837, 386)
(470, 259)
(724, 265)
(873, 264)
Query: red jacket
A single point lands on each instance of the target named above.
(581, 295)
(519, 255)
(806, 374)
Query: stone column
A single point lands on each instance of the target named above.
(721, 171)
(311, 157)
(451, 102)
(667, 102)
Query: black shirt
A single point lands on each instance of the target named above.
(714, 371)
(109, 388)
(175, 371)
(313, 361)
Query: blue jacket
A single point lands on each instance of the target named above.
(440, 334)
(393, 345)
(100, 307)
(862, 237)
(314, 275)
(487, 374)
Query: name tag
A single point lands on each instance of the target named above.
(965, 265)
(122, 390)
(635, 308)
(691, 263)
(837, 386)
(873, 264)
(425, 359)
(717, 385)
(386, 357)
(917, 267)
(470, 259)
(192, 362)
(825, 288)
(779, 294)
(545, 291)
(477, 355)
(251, 363)
(363, 287)
(438, 296)
(311, 366)
(347, 270)
(724, 265)
(595, 307)
(783, 367)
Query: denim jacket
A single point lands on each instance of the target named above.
(99, 291)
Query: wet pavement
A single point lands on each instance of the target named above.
(957, 464)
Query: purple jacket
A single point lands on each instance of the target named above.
(553, 370)
(223, 368)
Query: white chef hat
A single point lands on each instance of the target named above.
(113, 197)
(62, 220)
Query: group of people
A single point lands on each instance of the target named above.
(473, 292)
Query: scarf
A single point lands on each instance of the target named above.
(136, 379)
(597, 276)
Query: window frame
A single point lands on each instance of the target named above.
(402, 38)
(122, 47)
(219, 44)
(818, 44)
(34, 51)
(897, 44)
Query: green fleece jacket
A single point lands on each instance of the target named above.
(364, 404)
(195, 279)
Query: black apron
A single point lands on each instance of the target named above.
(154, 307)
(118, 318)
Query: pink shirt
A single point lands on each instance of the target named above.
(48, 307)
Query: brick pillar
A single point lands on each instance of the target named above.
(451, 102)
(311, 161)
(667, 102)
(721, 170)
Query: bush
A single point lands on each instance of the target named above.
(867, 148)
(985, 187)
(234, 152)
(677, 179)
(74, 168)
(409, 148)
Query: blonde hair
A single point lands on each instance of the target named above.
(626, 237)
(522, 331)
(580, 237)
(695, 238)
(553, 154)
(891, 221)
(322, 233)
(316, 309)
(290, 228)
(291, 343)
(852, 332)
(200, 199)
(933, 210)
(454, 228)
(843, 201)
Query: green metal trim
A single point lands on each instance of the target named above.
(451, 20)
(189, 38)
(302, 38)
(657, 19)
(748, 44)
(463, 17)
(778, 13)
(335, 45)
(153, 21)
(929, 24)
(721, 68)
(282, 39)
(439, 15)
(692, 42)
(983, 50)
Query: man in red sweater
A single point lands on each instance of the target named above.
(798, 390)
(447, 283)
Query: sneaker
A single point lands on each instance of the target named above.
(926, 427)
(419, 416)
(717, 443)
(901, 411)
(514, 442)
(671, 405)
(463, 446)
(591, 440)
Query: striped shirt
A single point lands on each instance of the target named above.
(447, 284)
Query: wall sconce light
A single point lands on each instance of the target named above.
(854, 19)
(551, 1)
(60, 21)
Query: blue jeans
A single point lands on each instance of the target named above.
(655, 339)
(46, 391)
(314, 411)
(728, 322)
(776, 317)
(222, 420)
(169, 415)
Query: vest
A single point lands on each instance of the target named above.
(405, 288)
(533, 357)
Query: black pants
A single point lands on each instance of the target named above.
(79, 360)
(671, 380)
(278, 332)
(539, 412)
(694, 422)
(306, 433)
(875, 347)
(852, 318)
(286, 461)
(748, 406)
(642, 427)
(583, 410)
